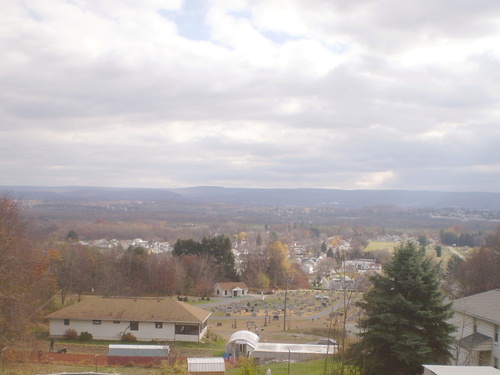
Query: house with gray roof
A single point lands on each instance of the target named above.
(477, 319)
(148, 319)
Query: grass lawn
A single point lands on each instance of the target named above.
(381, 245)
(312, 367)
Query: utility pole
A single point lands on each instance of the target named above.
(95, 357)
(286, 298)
(3, 358)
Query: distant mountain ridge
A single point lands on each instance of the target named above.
(90, 194)
(264, 197)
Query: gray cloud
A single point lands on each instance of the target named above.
(265, 94)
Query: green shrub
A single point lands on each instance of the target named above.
(128, 337)
(85, 336)
(70, 334)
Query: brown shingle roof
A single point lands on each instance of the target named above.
(132, 309)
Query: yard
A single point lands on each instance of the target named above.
(308, 319)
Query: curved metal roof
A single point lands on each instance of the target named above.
(247, 336)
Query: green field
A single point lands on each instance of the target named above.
(313, 367)
(381, 245)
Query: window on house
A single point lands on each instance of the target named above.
(158, 324)
(218, 291)
(182, 329)
(96, 322)
(134, 326)
(116, 322)
(225, 292)
(66, 322)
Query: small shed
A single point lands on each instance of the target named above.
(122, 354)
(206, 366)
(139, 350)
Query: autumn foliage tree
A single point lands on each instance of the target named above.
(478, 273)
(25, 280)
(272, 268)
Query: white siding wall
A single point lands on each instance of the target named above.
(108, 330)
(465, 325)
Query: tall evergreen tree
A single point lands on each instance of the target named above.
(404, 324)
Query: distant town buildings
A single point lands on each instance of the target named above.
(151, 246)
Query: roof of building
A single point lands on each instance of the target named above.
(232, 285)
(214, 364)
(474, 340)
(462, 370)
(132, 309)
(485, 305)
(244, 336)
(271, 347)
(138, 350)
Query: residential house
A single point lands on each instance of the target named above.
(230, 289)
(477, 319)
(148, 319)
(308, 265)
(341, 283)
(362, 266)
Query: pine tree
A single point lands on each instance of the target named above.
(404, 324)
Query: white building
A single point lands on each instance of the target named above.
(477, 319)
(362, 266)
(147, 319)
(206, 366)
(246, 344)
(230, 289)
(459, 370)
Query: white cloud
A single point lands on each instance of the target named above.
(276, 94)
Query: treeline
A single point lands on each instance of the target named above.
(25, 280)
(453, 237)
(476, 273)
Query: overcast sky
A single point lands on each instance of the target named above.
(365, 94)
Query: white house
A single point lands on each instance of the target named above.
(147, 319)
(230, 289)
(362, 266)
(308, 265)
(477, 319)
